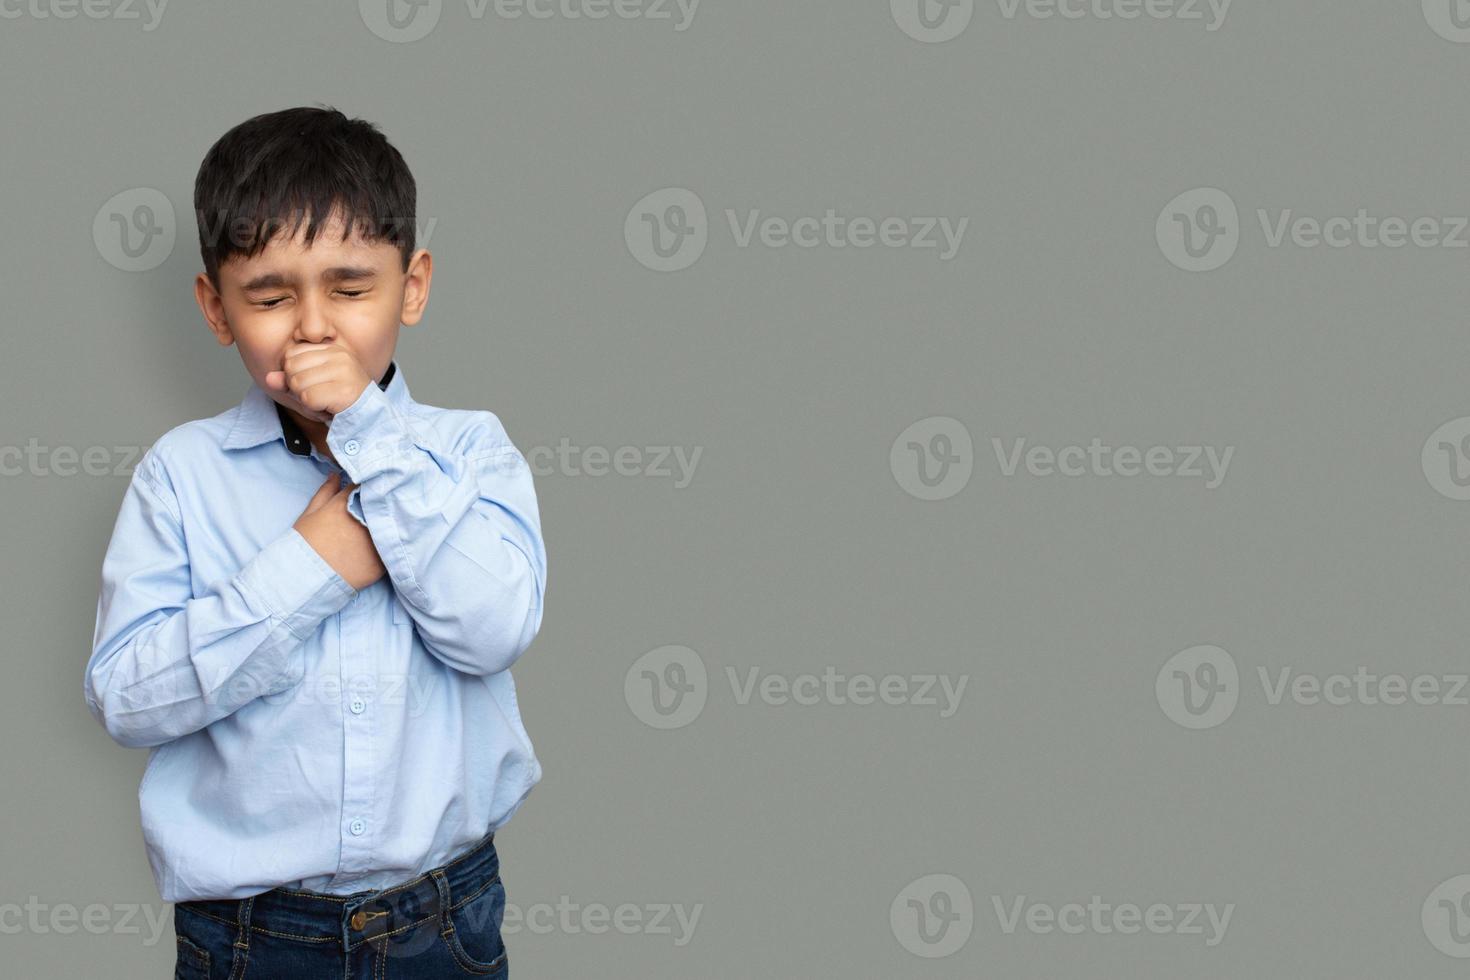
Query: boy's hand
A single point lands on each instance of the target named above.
(338, 537)
(325, 378)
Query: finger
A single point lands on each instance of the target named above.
(299, 350)
(323, 494)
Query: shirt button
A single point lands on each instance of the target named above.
(357, 827)
(358, 706)
(351, 446)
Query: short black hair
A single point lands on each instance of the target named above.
(272, 171)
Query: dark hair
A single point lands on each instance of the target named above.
(275, 170)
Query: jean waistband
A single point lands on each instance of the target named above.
(360, 916)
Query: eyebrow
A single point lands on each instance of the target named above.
(341, 273)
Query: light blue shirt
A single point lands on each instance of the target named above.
(304, 733)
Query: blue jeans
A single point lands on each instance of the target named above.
(444, 923)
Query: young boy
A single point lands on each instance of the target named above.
(311, 602)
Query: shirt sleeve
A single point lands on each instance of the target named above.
(166, 662)
(457, 529)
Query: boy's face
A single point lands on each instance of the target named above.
(353, 293)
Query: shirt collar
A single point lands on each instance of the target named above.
(260, 418)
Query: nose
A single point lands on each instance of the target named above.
(313, 327)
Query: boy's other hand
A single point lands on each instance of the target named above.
(325, 378)
(341, 540)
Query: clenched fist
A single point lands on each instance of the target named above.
(324, 378)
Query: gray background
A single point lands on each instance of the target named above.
(796, 546)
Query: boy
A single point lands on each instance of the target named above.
(311, 602)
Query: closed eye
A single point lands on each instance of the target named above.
(270, 304)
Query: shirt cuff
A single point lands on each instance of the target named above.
(367, 431)
(295, 583)
(354, 505)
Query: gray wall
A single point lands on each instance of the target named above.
(1082, 761)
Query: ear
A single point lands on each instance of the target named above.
(213, 308)
(416, 287)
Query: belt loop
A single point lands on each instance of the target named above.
(446, 924)
(242, 937)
